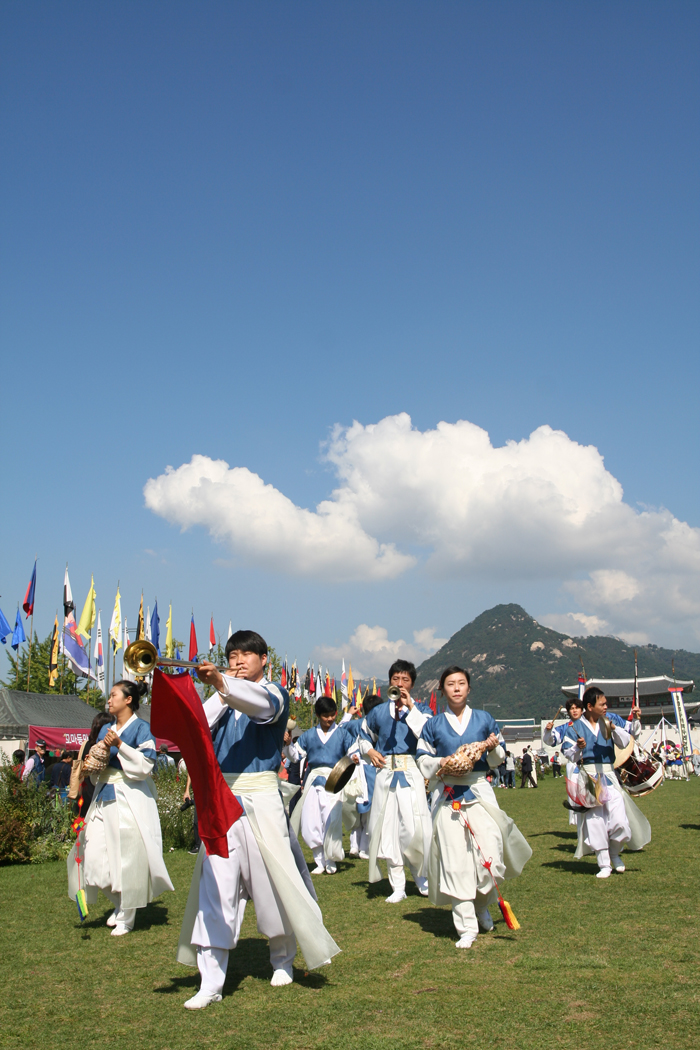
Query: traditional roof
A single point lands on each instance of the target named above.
(657, 686)
(20, 710)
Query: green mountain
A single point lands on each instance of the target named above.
(517, 666)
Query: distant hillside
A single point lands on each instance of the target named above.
(517, 667)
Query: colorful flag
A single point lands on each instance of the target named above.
(312, 682)
(18, 635)
(87, 616)
(99, 655)
(327, 685)
(319, 683)
(212, 634)
(28, 604)
(155, 627)
(283, 676)
(5, 628)
(193, 641)
(68, 603)
(53, 655)
(115, 627)
(297, 690)
(169, 647)
(139, 623)
(344, 687)
(433, 702)
(75, 654)
(350, 685)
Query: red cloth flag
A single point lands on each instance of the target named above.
(212, 635)
(312, 684)
(327, 687)
(433, 702)
(176, 713)
(28, 603)
(283, 677)
(193, 642)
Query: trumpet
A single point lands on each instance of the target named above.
(141, 658)
(393, 693)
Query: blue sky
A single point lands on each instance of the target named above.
(231, 227)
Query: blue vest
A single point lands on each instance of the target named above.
(597, 748)
(392, 736)
(320, 754)
(38, 768)
(439, 734)
(243, 745)
(136, 733)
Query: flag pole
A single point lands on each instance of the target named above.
(19, 643)
(31, 633)
(89, 666)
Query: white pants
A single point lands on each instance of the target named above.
(225, 886)
(103, 860)
(125, 916)
(318, 808)
(359, 838)
(464, 918)
(606, 827)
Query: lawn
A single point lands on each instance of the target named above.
(595, 965)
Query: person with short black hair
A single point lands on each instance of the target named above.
(248, 716)
(367, 775)
(319, 815)
(608, 819)
(400, 828)
(35, 766)
(121, 843)
(526, 769)
(164, 759)
(59, 774)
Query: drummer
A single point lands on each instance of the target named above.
(606, 828)
(318, 813)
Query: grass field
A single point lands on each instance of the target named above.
(596, 964)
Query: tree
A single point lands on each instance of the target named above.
(66, 682)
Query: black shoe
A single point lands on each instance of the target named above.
(194, 852)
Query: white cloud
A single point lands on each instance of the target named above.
(576, 624)
(544, 508)
(371, 652)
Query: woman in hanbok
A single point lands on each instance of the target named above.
(468, 826)
(120, 846)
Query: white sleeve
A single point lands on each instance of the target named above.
(347, 717)
(252, 698)
(620, 736)
(135, 765)
(549, 738)
(634, 728)
(29, 766)
(296, 752)
(495, 757)
(428, 765)
(415, 720)
(213, 709)
(571, 750)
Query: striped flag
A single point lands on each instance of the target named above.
(212, 634)
(99, 655)
(53, 655)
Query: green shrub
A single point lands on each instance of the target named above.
(34, 826)
(176, 827)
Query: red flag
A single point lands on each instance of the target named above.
(283, 677)
(379, 692)
(312, 684)
(212, 635)
(193, 641)
(327, 687)
(28, 603)
(433, 702)
(177, 714)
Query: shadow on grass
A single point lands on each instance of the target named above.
(153, 915)
(375, 889)
(690, 827)
(554, 834)
(250, 959)
(437, 921)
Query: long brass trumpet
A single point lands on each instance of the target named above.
(142, 658)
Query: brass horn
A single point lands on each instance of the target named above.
(141, 658)
(393, 693)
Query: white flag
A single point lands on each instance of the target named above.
(319, 686)
(126, 673)
(148, 623)
(99, 656)
(230, 630)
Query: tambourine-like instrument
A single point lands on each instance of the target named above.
(639, 772)
(339, 775)
(97, 758)
(463, 760)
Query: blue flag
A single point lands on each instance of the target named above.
(18, 635)
(5, 628)
(75, 654)
(155, 627)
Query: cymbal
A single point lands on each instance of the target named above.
(339, 775)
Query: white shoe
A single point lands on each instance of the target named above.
(281, 977)
(617, 863)
(465, 941)
(120, 929)
(318, 870)
(354, 853)
(397, 895)
(483, 917)
(331, 869)
(604, 873)
(200, 1000)
(362, 855)
(422, 884)
(112, 919)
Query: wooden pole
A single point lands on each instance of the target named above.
(89, 667)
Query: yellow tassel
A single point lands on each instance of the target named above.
(507, 912)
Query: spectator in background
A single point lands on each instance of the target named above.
(36, 765)
(510, 770)
(556, 765)
(502, 769)
(188, 800)
(18, 762)
(59, 775)
(164, 761)
(526, 769)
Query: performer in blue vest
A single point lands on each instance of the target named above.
(553, 736)
(319, 814)
(248, 715)
(456, 873)
(612, 822)
(123, 849)
(399, 825)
